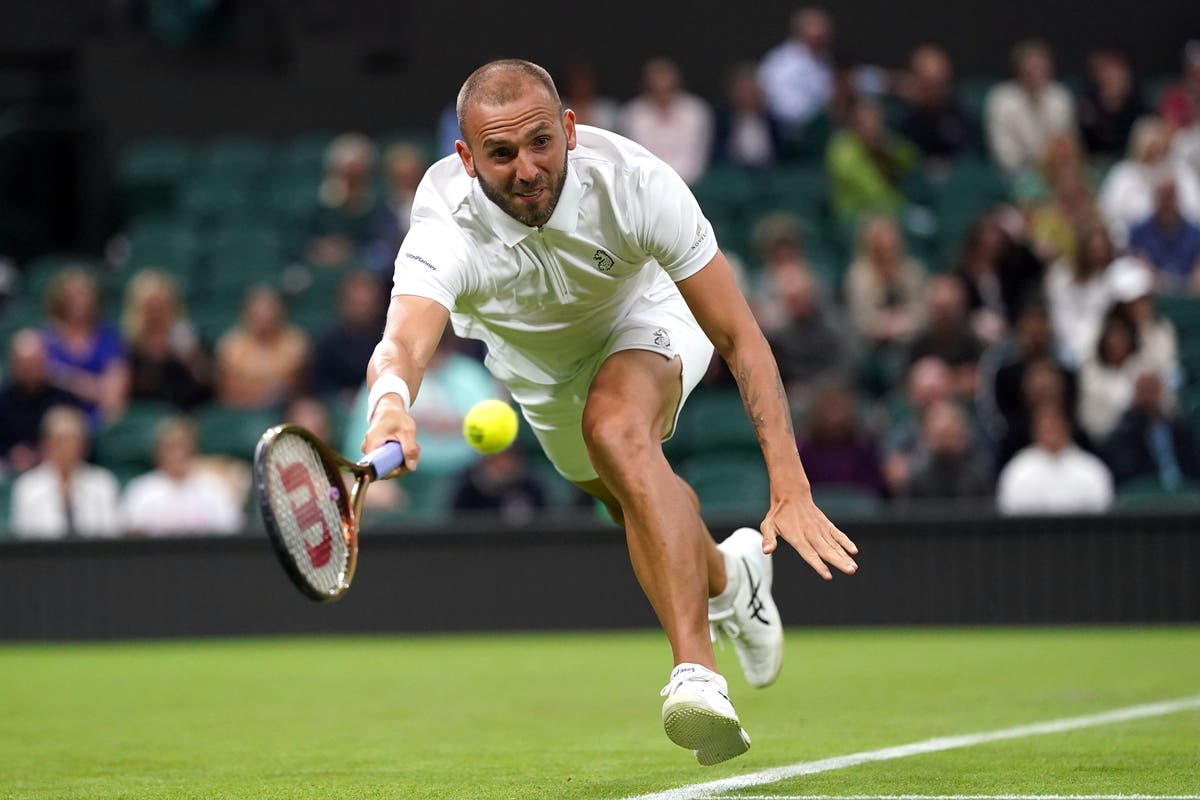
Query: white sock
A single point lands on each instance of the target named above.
(733, 582)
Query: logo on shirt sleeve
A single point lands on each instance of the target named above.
(417, 258)
(604, 262)
(701, 236)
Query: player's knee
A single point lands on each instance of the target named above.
(616, 436)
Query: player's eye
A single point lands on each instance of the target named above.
(541, 141)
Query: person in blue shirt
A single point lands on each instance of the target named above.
(1169, 241)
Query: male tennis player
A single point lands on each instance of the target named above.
(588, 269)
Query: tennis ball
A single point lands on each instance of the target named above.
(490, 426)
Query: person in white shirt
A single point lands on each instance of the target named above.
(1127, 194)
(1021, 115)
(1107, 377)
(589, 270)
(670, 123)
(1079, 292)
(177, 498)
(1053, 475)
(64, 497)
(797, 76)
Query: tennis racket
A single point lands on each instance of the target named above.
(310, 516)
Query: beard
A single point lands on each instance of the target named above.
(533, 216)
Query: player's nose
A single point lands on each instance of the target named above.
(527, 170)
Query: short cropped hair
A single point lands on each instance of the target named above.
(499, 82)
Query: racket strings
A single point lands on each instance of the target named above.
(308, 517)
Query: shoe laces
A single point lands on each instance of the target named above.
(678, 680)
(723, 623)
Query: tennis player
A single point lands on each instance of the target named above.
(588, 269)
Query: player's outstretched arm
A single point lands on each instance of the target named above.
(723, 313)
(414, 328)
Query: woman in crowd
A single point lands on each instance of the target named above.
(166, 361)
(261, 361)
(84, 353)
(1107, 378)
(1078, 293)
(884, 285)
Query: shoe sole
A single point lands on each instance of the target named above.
(712, 737)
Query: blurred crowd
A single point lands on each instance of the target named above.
(964, 285)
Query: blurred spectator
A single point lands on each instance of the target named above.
(404, 166)
(1150, 441)
(797, 75)
(833, 447)
(1079, 293)
(64, 497)
(447, 132)
(946, 466)
(1068, 203)
(947, 333)
(1043, 382)
(84, 352)
(865, 163)
(1180, 103)
(999, 272)
(1022, 114)
(779, 243)
(502, 484)
(1110, 104)
(341, 354)
(25, 397)
(1034, 344)
(670, 123)
(166, 361)
(884, 286)
(745, 135)
(1168, 241)
(811, 348)
(580, 90)
(1133, 288)
(1053, 475)
(342, 222)
(176, 498)
(452, 383)
(929, 382)
(1127, 195)
(932, 118)
(1107, 378)
(261, 360)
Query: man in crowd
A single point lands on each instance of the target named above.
(1053, 475)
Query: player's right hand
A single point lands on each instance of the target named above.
(392, 423)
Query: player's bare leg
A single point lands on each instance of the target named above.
(630, 406)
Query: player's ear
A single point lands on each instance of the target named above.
(464, 153)
(568, 119)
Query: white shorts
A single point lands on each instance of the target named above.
(555, 412)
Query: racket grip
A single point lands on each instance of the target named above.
(385, 458)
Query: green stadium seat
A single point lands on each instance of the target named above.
(291, 199)
(5, 507)
(1149, 493)
(715, 421)
(233, 431)
(1152, 90)
(167, 245)
(972, 95)
(17, 314)
(239, 157)
(210, 199)
(213, 317)
(803, 190)
(127, 445)
(149, 174)
(303, 157)
(1184, 313)
(729, 483)
(726, 191)
(841, 502)
(240, 258)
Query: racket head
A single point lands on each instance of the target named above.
(310, 517)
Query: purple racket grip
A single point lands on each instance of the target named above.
(385, 458)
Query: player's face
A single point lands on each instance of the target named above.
(518, 151)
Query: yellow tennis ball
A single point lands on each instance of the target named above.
(490, 426)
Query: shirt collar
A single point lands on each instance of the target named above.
(565, 217)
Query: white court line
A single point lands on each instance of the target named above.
(709, 789)
(957, 797)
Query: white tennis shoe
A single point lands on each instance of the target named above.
(698, 716)
(745, 612)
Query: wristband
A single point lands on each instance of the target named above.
(384, 385)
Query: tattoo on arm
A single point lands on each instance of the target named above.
(754, 405)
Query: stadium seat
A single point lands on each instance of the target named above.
(972, 95)
(291, 199)
(5, 506)
(209, 199)
(303, 157)
(1148, 493)
(715, 421)
(233, 431)
(725, 191)
(149, 174)
(238, 157)
(1152, 90)
(1183, 311)
(163, 244)
(127, 445)
(241, 257)
(16, 314)
(803, 190)
(729, 482)
(842, 502)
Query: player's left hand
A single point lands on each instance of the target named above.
(796, 519)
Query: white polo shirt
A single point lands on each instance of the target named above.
(545, 300)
